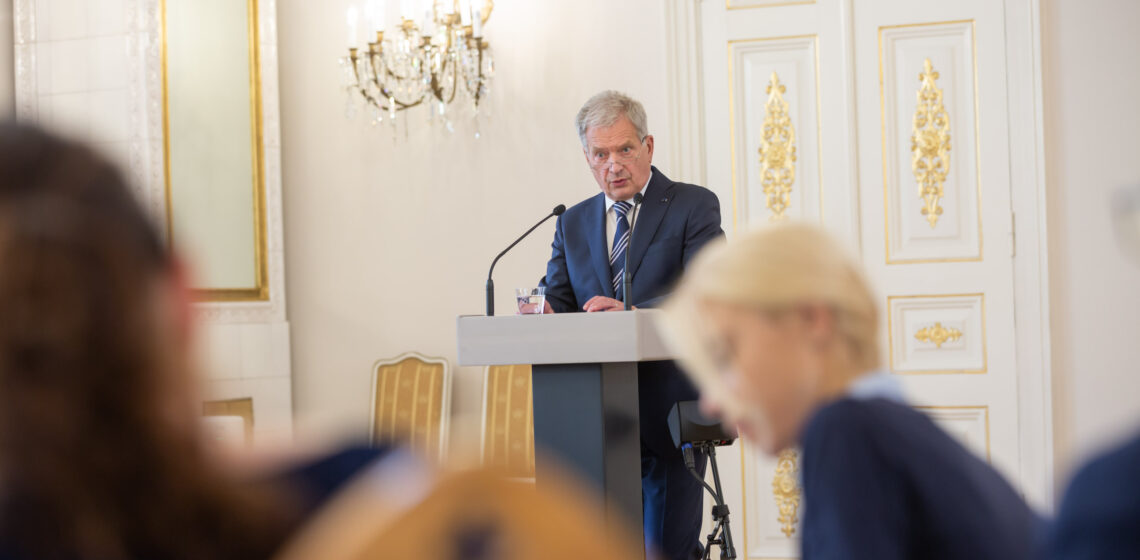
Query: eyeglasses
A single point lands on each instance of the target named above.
(626, 156)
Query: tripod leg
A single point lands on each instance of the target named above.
(727, 549)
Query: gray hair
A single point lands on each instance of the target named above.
(605, 108)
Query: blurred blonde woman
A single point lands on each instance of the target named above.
(779, 328)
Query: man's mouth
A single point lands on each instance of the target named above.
(618, 182)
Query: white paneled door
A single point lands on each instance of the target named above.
(886, 122)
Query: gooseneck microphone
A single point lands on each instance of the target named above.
(558, 210)
(627, 278)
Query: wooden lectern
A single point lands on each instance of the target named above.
(585, 390)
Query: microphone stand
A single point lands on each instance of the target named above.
(558, 210)
(627, 278)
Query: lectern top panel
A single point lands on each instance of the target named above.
(563, 338)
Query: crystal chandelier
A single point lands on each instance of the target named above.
(439, 59)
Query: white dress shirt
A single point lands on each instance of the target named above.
(877, 385)
(611, 217)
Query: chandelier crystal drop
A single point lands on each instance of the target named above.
(439, 60)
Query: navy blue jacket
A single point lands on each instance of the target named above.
(675, 220)
(1099, 516)
(881, 481)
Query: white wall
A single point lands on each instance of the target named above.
(7, 70)
(90, 70)
(80, 71)
(1091, 80)
(388, 240)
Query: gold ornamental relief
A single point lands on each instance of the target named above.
(938, 334)
(930, 144)
(777, 151)
(786, 490)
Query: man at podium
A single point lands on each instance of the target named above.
(660, 230)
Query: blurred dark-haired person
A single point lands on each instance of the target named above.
(101, 452)
(779, 329)
(1099, 517)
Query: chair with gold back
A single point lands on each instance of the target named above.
(508, 421)
(411, 403)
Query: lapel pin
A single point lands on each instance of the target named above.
(666, 199)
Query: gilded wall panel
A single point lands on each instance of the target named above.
(775, 129)
(773, 504)
(937, 334)
(929, 108)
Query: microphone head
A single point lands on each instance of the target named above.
(637, 198)
(558, 210)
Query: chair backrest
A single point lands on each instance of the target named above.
(388, 513)
(411, 403)
(508, 420)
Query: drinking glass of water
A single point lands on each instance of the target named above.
(531, 300)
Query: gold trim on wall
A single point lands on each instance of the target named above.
(786, 491)
(744, 495)
(930, 144)
(165, 124)
(977, 145)
(777, 151)
(937, 334)
(891, 339)
(260, 291)
(732, 119)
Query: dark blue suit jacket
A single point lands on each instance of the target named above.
(882, 481)
(675, 220)
(1099, 517)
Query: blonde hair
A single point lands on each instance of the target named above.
(774, 268)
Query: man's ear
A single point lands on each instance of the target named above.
(649, 144)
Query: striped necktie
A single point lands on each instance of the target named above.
(621, 243)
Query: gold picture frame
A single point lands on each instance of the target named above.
(259, 291)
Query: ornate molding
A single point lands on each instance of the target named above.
(145, 157)
(272, 310)
(930, 144)
(24, 27)
(777, 151)
(685, 93)
(938, 334)
(786, 490)
(144, 100)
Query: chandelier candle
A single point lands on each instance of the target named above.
(440, 60)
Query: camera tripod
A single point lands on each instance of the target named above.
(720, 534)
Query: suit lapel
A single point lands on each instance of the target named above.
(596, 237)
(649, 217)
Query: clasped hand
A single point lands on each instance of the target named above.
(596, 303)
(603, 303)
